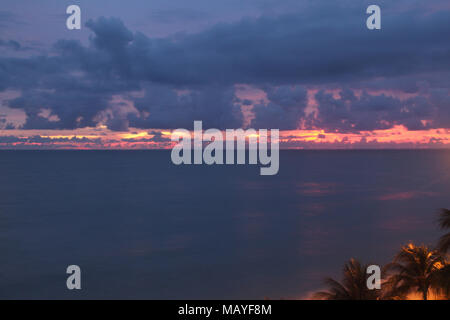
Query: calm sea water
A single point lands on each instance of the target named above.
(140, 227)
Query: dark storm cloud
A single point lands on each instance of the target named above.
(159, 137)
(284, 110)
(191, 77)
(11, 44)
(79, 83)
(367, 112)
(216, 106)
(297, 48)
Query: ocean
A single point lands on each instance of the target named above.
(140, 227)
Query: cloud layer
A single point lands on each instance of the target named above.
(316, 68)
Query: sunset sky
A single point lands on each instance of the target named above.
(312, 69)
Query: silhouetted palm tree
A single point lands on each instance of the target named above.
(352, 287)
(444, 223)
(443, 281)
(414, 269)
(444, 246)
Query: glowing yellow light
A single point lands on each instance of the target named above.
(134, 135)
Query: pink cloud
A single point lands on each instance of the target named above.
(406, 195)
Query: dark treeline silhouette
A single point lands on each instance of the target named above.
(414, 270)
(352, 287)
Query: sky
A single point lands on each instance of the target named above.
(139, 69)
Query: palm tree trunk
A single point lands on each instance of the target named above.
(425, 294)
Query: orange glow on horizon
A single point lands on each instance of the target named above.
(102, 138)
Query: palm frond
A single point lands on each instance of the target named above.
(352, 287)
(444, 218)
(415, 268)
(444, 243)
